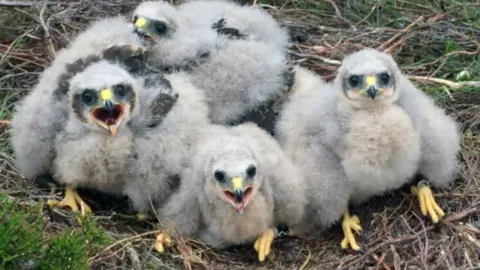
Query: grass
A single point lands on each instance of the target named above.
(26, 243)
(440, 41)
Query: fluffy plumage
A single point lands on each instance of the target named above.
(87, 155)
(208, 206)
(110, 112)
(39, 117)
(236, 21)
(352, 146)
(177, 42)
(163, 151)
(241, 77)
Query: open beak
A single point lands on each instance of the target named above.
(239, 195)
(110, 115)
(140, 25)
(371, 86)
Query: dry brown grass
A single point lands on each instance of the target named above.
(428, 38)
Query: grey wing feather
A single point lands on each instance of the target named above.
(38, 117)
(307, 141)
(182, 212)
(440, 134)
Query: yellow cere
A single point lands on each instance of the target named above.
(106, 94)
(371, 80)
(141, 22)
(237, 183)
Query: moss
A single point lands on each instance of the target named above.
(24, 244)
(20, 234)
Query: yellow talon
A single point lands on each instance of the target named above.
(162, 240)
(350, 223)
(428, 205)
(263, 243)
(72, 200)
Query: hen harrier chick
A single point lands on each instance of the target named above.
(240, 186)
(365, 135)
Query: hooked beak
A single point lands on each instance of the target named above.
(372, 91)
(371, 86)
(239, 195)
(110, 115)
(108, 105)
(140, 28)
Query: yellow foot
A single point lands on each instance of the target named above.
(263, 243)
(428, 205)
(72, 200)
(350, 223)
(162, 240)
(142, 216)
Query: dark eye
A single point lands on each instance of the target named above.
(89, 97)
(251, 171)
(160, 27)
(120, 90)
(384, 78)
(219, 176)
(354, 80)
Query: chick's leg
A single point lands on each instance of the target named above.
(428, 205)
(72, 200)
(350, 223)
(163, 240)
(263, 243)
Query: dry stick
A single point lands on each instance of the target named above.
(454, 85)
(5, 122)
(463, 214)
(307, 260)
(477, 51)
(23, 3)
(396, 44)
(402, 32)
(380, 261)
(337, 11)
(465, 235)
(47, 32)
(323, 59)
(366, 17)
(388, 242)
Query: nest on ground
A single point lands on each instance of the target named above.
(430, 43)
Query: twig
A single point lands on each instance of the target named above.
(477, 51)
(463, 214)
(127, 239)
(47, 32)
(5, 122)
(337, 11)
(396, 44)
(326, 60)
(462, 232)
(366, 17)
(23, 3)
(307, 260)
(454, 85)
(402, 32)
(380, 261)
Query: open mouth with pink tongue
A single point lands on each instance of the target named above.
(109, 119)
(239, 199)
